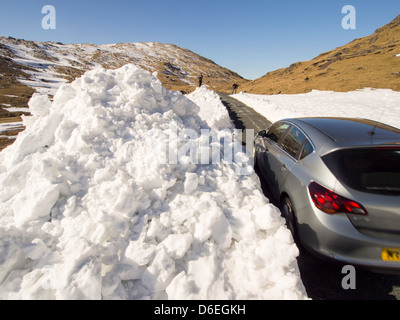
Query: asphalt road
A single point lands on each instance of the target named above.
(243, 117)
(322, 279)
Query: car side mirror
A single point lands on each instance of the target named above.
(262, 134)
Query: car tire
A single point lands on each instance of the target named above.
(288, 213)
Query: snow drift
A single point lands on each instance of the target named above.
(382, 105)
(89, 209)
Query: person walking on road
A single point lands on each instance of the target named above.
(234, 88)
(200, 80)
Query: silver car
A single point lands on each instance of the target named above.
(337, 181)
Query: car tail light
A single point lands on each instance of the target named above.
(331, 203)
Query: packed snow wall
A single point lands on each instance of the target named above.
(91, 207)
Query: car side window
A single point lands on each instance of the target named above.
(307, 150)
(277, 131)
(293, 142)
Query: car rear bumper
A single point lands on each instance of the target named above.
(379, 266)
(335, 237)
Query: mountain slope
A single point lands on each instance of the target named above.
(53, 63)
(27, 67)
(372, 61)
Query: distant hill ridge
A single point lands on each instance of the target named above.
(28, 66)
(368, 62)
(46, 64)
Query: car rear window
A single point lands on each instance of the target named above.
(373, 170)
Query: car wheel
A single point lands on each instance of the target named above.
(289, 214)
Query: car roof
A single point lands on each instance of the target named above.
(348, 132)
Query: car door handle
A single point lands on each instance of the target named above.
(284, 167)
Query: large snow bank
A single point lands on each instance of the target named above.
(90, 210)
(211, 108)
(376, 104)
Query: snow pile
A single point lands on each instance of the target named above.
(91, 209)
(376, 104)
(211, 108)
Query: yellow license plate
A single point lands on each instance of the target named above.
(391, 254)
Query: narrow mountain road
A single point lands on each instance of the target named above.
(242, 116)
(322, 279)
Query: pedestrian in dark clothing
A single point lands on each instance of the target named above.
(200, 80)
(234, 88)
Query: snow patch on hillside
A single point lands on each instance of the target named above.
(376, 104)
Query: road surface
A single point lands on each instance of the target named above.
(243, 117)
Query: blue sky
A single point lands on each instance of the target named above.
(249, 37)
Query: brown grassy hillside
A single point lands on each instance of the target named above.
(366, 62)
(12, 93)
